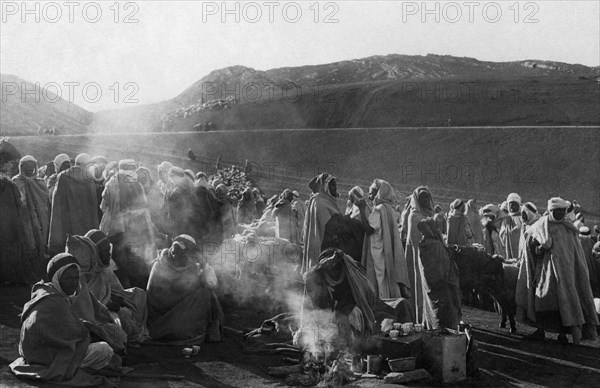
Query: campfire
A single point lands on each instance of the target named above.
(324, 360)
(318, 370)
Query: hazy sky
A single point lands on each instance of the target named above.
(171, 44)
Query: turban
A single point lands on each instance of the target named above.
(531, 207)
(95, 171)
(110, 169)
(217, 182)
(557, 203)
(164, 167)
(189, 173)
(100, 160)
(296, 193)
(583, 229)
(82, 159)
(437, 208)
(200, 174)
(514, 197)
(27, 158)
(127, 165)
(221, 192)
(490, 210)
(59, 160)
(188, 242)
(457, 204)
(99, 238)
(531, 211)
(357, 192)
(177, 171)
(385, 192)
(57, 266)
(504, 206)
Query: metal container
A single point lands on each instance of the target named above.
(374, 364)
(403, 364)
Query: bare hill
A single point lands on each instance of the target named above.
(391, 90)
(25, 107)
(377, 91)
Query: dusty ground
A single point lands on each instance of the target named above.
(505, 360)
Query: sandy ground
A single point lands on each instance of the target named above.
(505, 360)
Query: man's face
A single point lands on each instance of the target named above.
(179, 253)
(163, 176)
(28, 168)
(488, 220)
(350, 199)
(524, 216)
(69, 280)
(513, 207)
(424, 198)
(333, 188)
(65, 166)
(373, 192)
(559, 214)
(105, 255)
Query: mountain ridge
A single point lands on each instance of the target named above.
(249, 85)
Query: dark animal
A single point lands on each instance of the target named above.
(191, 154)
(488, 274)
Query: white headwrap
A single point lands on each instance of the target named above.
(129, 168)
(59, 160)
(57, 266)
(558, 203)
(514, 197)
(164, 167)
(27, 158)
(83, 159)
(356, 191)
(532, 213)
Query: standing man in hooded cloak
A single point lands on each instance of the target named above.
(383, 253)
(321, 206)
(558, 294)
(421, 206)
(14, 264)
(35, 212)
(286, 219)
(472, 214)
(74, 205)
(510, 231)
(126, 220)
(459, 229)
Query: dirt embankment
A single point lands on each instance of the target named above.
(482, 163)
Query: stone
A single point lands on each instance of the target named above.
(406, 377)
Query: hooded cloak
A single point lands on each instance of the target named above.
(421, 303)
(74, 207)
(321, 206)
(383, 253)
(35, 214)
